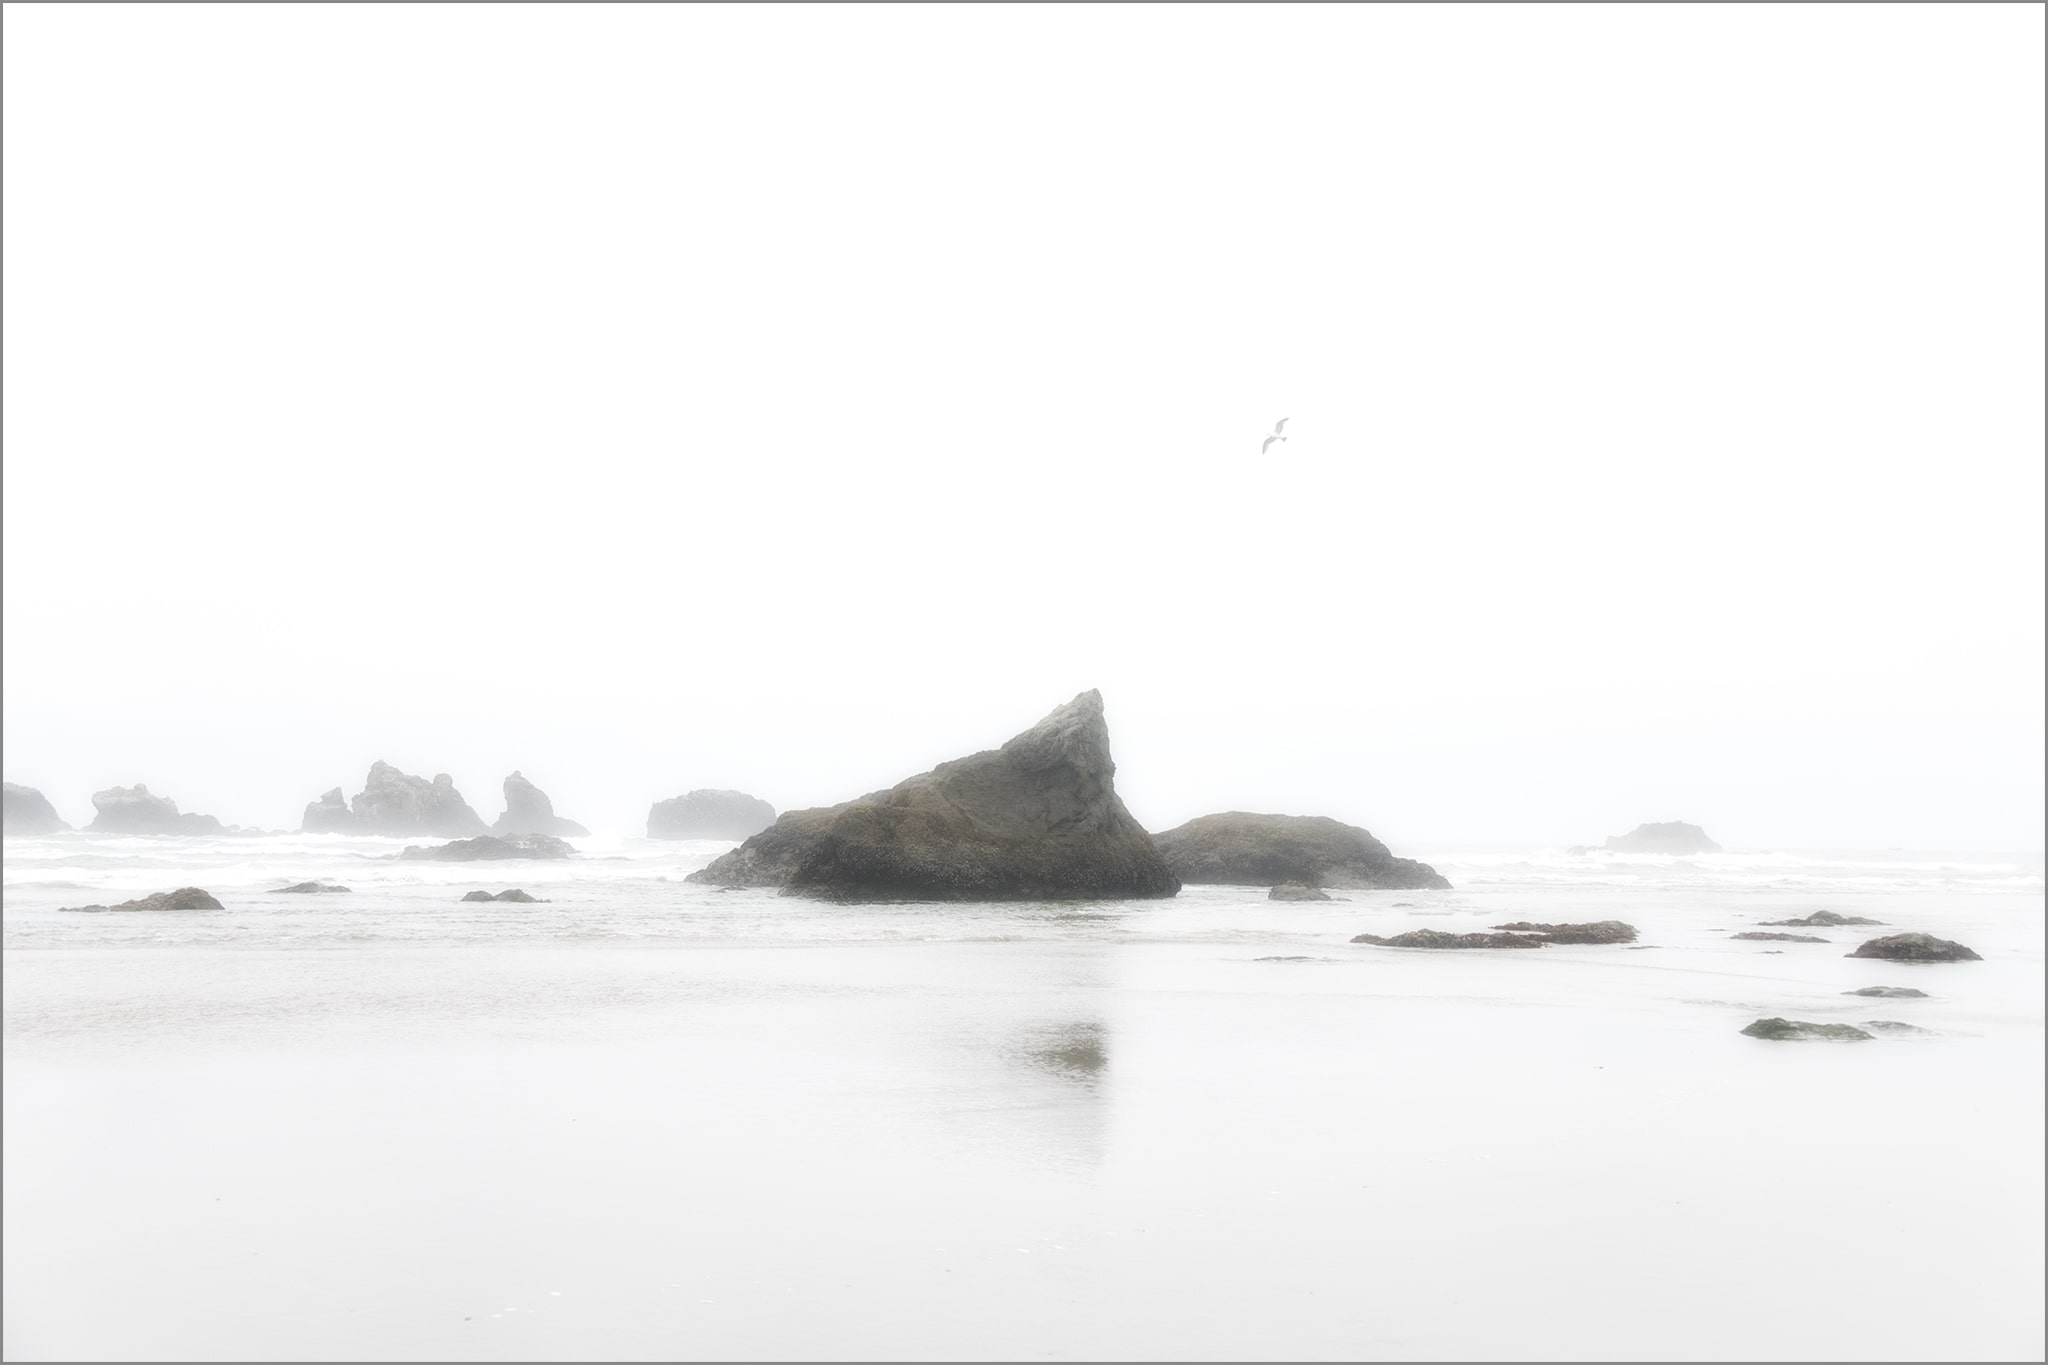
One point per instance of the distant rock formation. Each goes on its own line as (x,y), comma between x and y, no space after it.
(707,814)
(1890,992)
(1297,891)
(1238,848)
(1757,936)
(27,811)
(393,802)
(491,846)
(1437,938)
(1672,837)
(528,811)
(515,894)
(1799,1031)
(184,898)
(309,889)
(132,810)
(1038,818)
(329,815)
(1915,948)
(1598,931)
(1819,919)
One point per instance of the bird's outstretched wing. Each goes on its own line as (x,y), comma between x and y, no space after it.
(1268,442)
(1281,425)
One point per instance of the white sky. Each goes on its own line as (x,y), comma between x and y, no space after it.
(785,397)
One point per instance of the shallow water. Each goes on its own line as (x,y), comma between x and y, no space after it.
(655,1120)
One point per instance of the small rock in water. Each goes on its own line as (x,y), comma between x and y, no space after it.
(1890,992)
(184,898)
(515,894)
(1437,938)
(308,889)
(491,846)
(1756,937)
(1915,948)
(1821,919)
(1893,1026)
(1286,959)
(1297,891)
(1799,1031)
(1599,931)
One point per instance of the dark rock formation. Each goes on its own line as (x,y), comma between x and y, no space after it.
(184,898)
(1897,1029)
(309,889)
(132,810)
(1673,837)
(1296,891)
(1798,1031)
(1915,948)
(528,811)
(329,815)
(491,846)
(1890,992)
(1436,938)
(1820,919)
(1599,931)
(1036,819)
(707,814)
(1238,848)
(24,810)
(1757,937)
(393,802)
(515,894)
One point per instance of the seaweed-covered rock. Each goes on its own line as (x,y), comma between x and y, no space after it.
(1038,818)
(1297,891)
(1889,992)
(515,894)
(393,802)
(1798,1031)
(24,810)
(709,814)
(1820,919)
(1437,938)
(1673,836)
(529,811)
(1757,937)
(309,889)
(184,898)
(1598,931)
(329,815)
(490,846)
(132,810)
(1915,948)
(1242,848)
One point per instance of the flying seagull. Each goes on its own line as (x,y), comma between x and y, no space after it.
(1278,427)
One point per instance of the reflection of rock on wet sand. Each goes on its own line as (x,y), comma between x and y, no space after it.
(1078,1051)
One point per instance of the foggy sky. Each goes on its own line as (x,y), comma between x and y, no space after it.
(786,398)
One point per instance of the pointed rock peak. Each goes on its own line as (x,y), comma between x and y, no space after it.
(1074,733)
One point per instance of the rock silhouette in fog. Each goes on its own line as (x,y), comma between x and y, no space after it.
(528,811)
(329,815)
(27,811)
(1239,848)
(488,846)
(708,814)
(1674,836)
(132,810)
(1038,818)
(394,802)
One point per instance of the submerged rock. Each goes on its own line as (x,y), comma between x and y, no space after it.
(132,810)
(1890,992)
(1798,1031)
(1038,818)
(1437,938)
(1821,919)
(1674,836)
(308,889)
(709,814)
(515,894)
(1757,937)
(1898,1029)
(24,810)
(491,846)
(184,898)
(329,815)
(1598,931)
(528,811)
(1297,891)
(393,802)
(1915,948)
(1241,848)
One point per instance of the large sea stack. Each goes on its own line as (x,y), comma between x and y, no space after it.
(132,810)
(1673,836)
(392,802)
(1038,819)
(27,811)
(707,814)
(1238,848)
(528,811)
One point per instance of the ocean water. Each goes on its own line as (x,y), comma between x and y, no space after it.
(655,1120)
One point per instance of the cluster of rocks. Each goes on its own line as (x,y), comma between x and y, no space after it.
(132,810)
(515,894)
(1909,947)
(1520,934)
